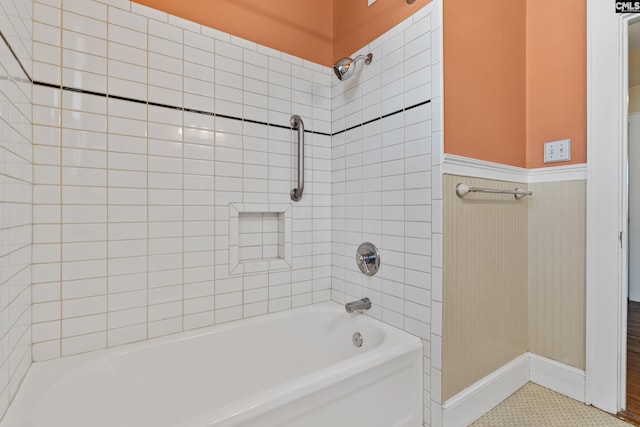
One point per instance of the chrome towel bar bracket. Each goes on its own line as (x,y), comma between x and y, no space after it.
(462,190)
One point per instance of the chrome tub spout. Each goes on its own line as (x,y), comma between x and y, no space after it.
(361,304)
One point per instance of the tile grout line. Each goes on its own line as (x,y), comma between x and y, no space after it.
(147,183)
(183,190)
(106,279)
(60,184)
(33,185)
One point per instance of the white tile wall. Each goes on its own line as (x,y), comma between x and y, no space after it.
(385,183)
(127,226)
(260,236)
(17,29)
(131,202)
(16,179)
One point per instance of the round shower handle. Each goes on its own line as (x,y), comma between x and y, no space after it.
(368,258)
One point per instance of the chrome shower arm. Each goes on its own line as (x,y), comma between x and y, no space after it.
(367,58)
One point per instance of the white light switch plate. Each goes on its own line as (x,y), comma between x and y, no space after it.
(557,151)
(371,2)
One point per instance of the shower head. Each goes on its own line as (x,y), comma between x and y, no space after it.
(345,67)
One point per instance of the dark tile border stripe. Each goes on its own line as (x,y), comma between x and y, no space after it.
(52,86)
(172,107)
(419,104)
(119,98)
(24,70)
(189,110)
(375,119)
(211,113)
(206,113)
(88,92)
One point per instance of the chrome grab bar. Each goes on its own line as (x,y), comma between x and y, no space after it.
(296,193)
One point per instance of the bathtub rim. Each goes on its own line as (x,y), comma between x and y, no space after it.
(149,343)
(396,343)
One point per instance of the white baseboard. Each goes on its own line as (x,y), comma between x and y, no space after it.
(558,377)
(478,399)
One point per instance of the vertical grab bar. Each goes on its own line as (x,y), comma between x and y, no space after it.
(296,193)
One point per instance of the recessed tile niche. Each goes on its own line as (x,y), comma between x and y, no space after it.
(259,237)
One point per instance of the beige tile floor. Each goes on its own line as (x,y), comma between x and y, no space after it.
(536,406)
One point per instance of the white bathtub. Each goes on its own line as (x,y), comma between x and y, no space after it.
(294,368)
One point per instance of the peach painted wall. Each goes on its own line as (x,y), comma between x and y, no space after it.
(528,86)
(484,80)
(355,24)
(556,77)
(514,71)
(300,28)
(320,31)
